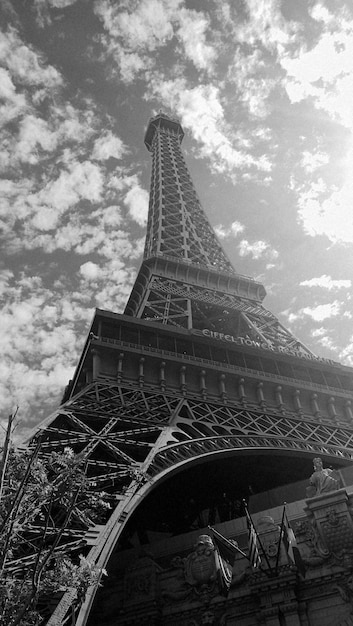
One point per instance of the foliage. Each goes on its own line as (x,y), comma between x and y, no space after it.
(46,505)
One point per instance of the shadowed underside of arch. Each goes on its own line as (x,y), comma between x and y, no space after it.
(135,439)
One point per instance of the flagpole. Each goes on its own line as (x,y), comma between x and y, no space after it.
(296,557)
(257,536)
(231,545)
(280,539)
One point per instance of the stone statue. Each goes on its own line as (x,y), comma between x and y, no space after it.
(322,480)
(200,566)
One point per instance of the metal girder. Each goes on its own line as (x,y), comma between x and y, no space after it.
(184,452)
(177,225)
(322,441)
(132,438)
(256,422)
(272,331)
(170,302)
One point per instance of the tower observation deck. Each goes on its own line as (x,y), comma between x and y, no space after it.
(195,393)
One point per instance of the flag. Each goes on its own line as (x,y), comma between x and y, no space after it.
(224,574)
(290,544)
(227,548)
(254,556)
(225,553)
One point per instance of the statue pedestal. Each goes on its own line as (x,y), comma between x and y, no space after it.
(330,514)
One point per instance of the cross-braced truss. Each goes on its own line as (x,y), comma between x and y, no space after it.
(116,429)
(113,428)
(131,436)
(188,306)
(177,226)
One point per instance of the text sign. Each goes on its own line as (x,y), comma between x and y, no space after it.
(263,345)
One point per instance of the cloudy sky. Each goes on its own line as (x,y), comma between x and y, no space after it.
(264,91)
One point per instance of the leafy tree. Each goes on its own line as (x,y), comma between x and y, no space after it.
(46,506)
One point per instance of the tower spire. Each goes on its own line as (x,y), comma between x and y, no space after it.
(186,279)
(177,225)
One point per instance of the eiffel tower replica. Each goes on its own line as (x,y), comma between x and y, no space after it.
(196,387)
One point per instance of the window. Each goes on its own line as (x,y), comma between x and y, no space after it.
(236,358)
(184,347)
(166,343)
(130,335)
(148,339)
(285,369)
(217,354)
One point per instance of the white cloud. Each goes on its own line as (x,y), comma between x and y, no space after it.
(233,230)
(312,161)
(108,145)
(246,71)
(5,277)
(43,9)
(43,329)
(56,4)
(319,332)
(346,355)
(200,110)
(83,181)
(60,4)
(90,271)
(331,216)
(326,282)
(192,33)
(131,63)
(324,73)
(27,66)
(34,328)
(136,200)
(146,27)
(323,337)
(14,103)
(266,25)
(34,133)
(257,250)
(322,311)
(134,37)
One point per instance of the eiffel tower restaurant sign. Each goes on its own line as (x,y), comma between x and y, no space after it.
(263,345)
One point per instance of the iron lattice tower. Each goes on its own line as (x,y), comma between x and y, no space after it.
(195,368)
(186,278)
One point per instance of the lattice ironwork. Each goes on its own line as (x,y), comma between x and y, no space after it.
(130,437)
(173,455)
(189,306)
(242,430)
(236,420)
(177,226)
(115,428)
(207,296)
(272,332)
(167,309)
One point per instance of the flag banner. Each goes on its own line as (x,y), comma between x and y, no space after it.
(290,544)
(280,539)
(254,556)
(225,553)
(226,547)
(224,574)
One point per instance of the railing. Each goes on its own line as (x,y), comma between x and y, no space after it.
(217,364)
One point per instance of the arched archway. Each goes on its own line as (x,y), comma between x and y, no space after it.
(188,490)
